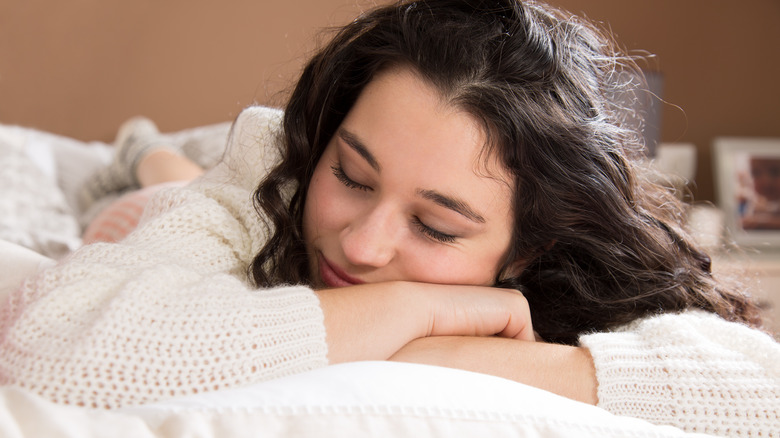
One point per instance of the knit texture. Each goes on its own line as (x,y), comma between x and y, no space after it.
(169,310)
(694,371)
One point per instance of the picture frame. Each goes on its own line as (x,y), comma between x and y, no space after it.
(747,177)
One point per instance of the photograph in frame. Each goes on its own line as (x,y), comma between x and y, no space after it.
(747,173)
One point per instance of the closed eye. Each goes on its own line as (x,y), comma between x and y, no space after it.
(424,229)
(433,233)
(338,172)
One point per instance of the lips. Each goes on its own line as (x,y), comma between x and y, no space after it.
(333,276)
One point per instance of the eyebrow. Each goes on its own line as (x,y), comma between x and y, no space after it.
(357,145)
(453,204)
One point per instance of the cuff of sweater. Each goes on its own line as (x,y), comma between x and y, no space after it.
(692,370)
(631,379)
(299,344)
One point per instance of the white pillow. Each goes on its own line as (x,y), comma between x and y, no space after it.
(388,399)
(376,399)
(35,212)
(66,161)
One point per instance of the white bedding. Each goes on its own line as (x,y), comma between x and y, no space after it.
(358,399)
(378,399)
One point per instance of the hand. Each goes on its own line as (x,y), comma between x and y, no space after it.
(561,369)
(477,311)
(373,321)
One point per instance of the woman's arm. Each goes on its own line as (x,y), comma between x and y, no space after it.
(694,370)
(374,321)
(561,369)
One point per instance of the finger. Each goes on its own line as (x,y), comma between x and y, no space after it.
(526,331)
(519,325)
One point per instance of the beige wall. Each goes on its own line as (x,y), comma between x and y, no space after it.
(80,67)
(720,61)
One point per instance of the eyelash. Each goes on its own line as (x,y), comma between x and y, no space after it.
(433,233)
(427,231)
(338,172)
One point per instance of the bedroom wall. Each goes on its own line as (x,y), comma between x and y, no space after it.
(80,68)
(720,64)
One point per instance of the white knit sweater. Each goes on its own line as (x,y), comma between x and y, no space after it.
(694,371)
(169,311)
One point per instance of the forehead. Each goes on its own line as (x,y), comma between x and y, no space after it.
(422,142)
(406,112)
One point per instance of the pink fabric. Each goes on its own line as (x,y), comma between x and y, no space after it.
(121,217)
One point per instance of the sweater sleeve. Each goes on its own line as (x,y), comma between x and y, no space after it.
(169,310)
(692,370)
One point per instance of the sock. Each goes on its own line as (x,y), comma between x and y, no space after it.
(136,138)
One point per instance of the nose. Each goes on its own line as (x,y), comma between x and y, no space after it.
(370,239)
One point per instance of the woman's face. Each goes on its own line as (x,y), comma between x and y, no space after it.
(403,192)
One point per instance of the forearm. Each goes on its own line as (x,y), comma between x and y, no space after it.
(374,321)
(561,369)
(367,322)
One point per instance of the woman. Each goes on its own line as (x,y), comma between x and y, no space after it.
(434,159)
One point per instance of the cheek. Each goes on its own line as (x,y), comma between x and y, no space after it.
(472,266)
(475,263)
(324,210)
(486,258)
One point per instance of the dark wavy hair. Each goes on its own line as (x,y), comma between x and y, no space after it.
(602,245)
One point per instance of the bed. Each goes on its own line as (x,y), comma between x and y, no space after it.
(42,222)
